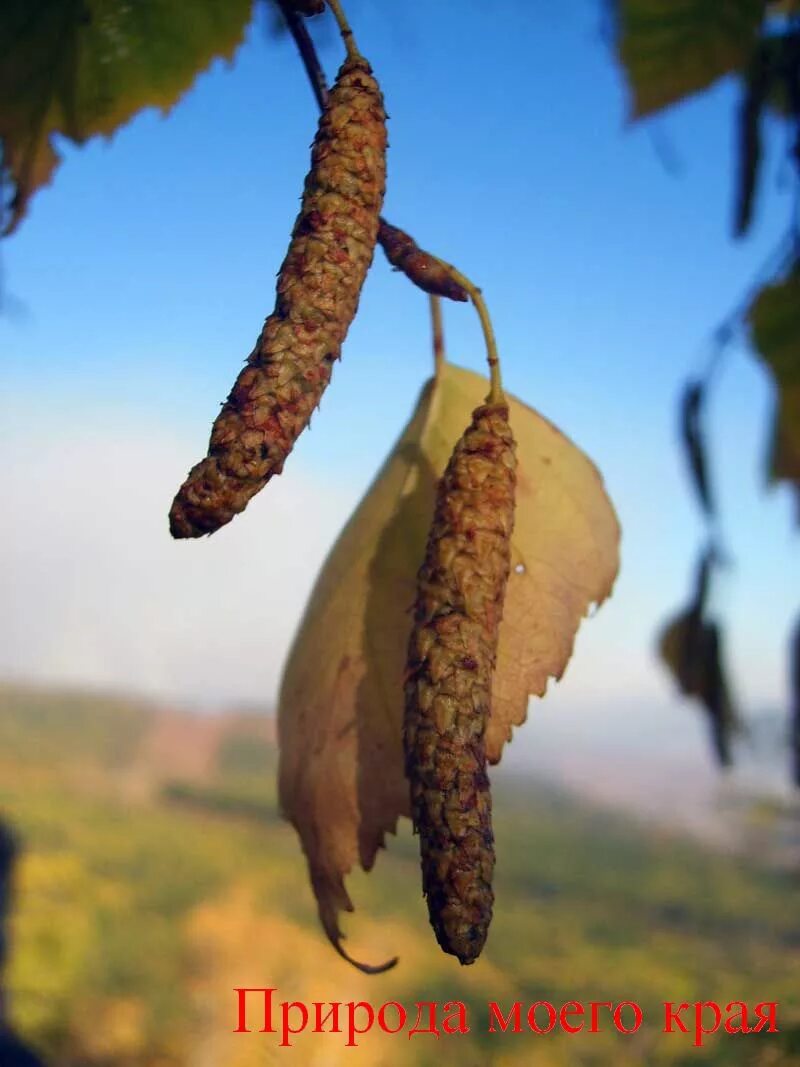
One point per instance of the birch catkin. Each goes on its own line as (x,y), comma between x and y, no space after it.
(319,284)
(419,266)
(451,658)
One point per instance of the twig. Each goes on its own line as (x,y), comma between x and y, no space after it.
(296,25)
(344,29)
(496,394)
(437,332)
(725,331)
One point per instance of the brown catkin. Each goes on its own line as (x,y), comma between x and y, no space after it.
(451,657)
(423,269)
(319,284)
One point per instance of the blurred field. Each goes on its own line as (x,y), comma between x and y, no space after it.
(156,875)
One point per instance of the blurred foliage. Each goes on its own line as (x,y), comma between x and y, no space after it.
(245,754)
(691,647)
(693,435)
(57,929)
(137,916)
(84,67)
(775,322)
(250,799)
(673,48)
(38,726)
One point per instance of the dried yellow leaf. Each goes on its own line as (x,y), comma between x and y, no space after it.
(340,721)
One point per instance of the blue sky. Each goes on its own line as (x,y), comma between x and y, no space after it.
(143,274)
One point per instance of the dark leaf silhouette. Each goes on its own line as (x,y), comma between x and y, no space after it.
(13,1053)
(693,437)
(751,111)
(775,321)
(308,7)
(691,647)
(782,53)
(716,694)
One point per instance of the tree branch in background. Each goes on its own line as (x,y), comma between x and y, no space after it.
(308,53)
(437,331)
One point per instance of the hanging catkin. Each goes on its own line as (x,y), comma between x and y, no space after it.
(460,591)
(419,266)
(319,284)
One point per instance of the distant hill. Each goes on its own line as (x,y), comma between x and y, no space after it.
(55,727)
(156,875)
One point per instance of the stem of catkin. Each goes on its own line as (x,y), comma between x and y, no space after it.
(438,334)
(496,394)
(344,29)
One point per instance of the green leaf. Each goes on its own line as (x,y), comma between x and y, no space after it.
(775,321)
(673,48)
(84,67)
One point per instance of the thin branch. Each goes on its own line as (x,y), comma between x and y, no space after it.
(438,333)
(496,394)
(726,330)
(344,29)
(296,25)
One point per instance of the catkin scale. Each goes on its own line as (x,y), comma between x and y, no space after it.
(451,658)
(319,284)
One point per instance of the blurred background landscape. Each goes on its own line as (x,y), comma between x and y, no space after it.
(152,872)
(156,876)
